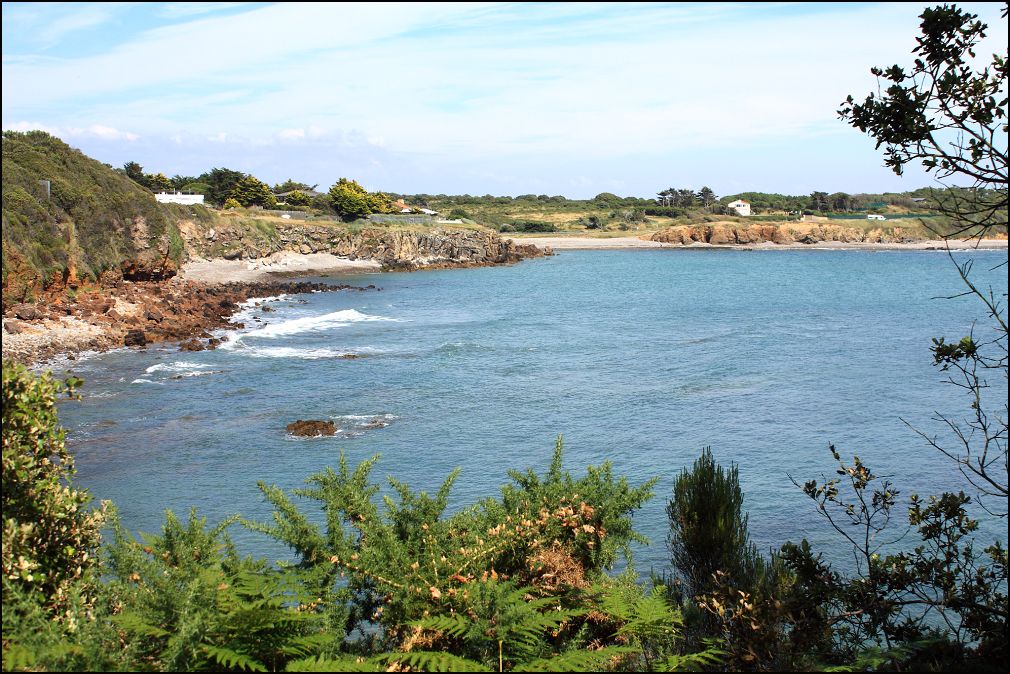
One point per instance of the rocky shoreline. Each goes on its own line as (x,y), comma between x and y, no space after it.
(135,314)
(153,302)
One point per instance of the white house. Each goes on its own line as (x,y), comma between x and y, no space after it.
(740,206)
(178,198)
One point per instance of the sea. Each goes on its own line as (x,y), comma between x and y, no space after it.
(639,358)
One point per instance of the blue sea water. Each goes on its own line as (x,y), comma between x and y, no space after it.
(638,357)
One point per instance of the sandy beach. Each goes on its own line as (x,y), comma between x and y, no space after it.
(587,243)
(284,262)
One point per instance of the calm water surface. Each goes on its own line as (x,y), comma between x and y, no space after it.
(639,357)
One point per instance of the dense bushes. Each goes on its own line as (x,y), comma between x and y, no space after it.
(50,537)
(518,582)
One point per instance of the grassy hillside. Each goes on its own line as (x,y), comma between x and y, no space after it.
(94,220)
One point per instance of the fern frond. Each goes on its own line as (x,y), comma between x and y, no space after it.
(131,622)
(345,664)
(454,625)
(433,661)
(575,661)
(304,645)
(693,662)
(230,659)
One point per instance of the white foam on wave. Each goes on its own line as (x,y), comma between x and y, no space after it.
(196,373)
(177,366)
(296,326)
(366,417)
(147,381)
(291,352)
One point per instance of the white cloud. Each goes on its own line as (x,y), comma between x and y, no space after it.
(29,126)
(528,83)
(179,10)
(100,131)
(109,133)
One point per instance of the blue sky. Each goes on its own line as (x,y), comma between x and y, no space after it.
(499,98)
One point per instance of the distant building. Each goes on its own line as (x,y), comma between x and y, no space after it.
(401,206)
(178,198)
(740,206)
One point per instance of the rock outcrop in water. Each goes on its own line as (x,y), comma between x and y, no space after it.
(312,428)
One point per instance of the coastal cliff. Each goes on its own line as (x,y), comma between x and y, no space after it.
(407,249)
(728,234)
(71,222)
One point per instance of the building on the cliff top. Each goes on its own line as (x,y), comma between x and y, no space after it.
(401,207)
(178,198)
(740,206)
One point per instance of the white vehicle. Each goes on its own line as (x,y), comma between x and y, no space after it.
(873,216)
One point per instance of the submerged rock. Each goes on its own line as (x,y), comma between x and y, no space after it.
(312,428)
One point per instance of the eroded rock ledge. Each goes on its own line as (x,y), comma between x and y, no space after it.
(730,234)
(393,249)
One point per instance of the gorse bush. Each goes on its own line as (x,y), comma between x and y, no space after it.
(551,534)
(50,536)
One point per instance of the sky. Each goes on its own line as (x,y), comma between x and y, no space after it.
(478,98)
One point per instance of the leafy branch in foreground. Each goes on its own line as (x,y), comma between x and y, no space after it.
(946,114)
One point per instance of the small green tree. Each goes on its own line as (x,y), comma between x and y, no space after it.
(707,196)
(299,198)
(135,172)
(819,201)
(708,529)
(350,200)
(158,182)
(250,191)
(220,182)
(290,185)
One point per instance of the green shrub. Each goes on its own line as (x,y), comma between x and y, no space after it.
(51,537)
(708,529)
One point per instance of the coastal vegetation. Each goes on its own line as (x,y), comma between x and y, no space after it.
(68,217)
(522,581)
